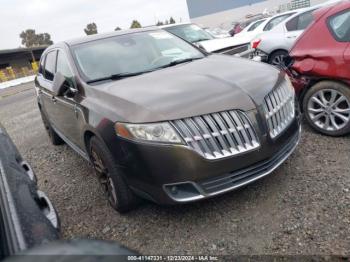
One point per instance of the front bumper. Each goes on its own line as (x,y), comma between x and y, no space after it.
(236,179)
(170,174)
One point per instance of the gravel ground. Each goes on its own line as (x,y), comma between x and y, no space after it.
(302,208)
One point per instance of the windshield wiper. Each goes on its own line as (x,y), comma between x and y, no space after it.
(114,77)
(179,61)
(125,75)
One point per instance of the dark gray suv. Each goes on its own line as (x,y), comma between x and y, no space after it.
(161,119)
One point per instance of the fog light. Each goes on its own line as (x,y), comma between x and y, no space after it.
(183,192)
(173,190)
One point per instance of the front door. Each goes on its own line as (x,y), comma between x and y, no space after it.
(66,108)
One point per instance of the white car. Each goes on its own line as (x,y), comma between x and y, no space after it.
(274,45)
(196,35)
(248,34)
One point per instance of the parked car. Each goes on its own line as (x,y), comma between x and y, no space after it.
(161,119)
(239,27)
(27,217)
(194,34)
(247,34)
(273,46)
(320,70)
(218,32)
(250,33)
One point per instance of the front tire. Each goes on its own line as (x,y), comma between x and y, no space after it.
(119,195)
(327,108)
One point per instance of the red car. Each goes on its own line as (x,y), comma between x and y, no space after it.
(319,67)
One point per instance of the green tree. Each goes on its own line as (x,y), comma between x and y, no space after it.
(30,38)
(172,20)
(117,28)
(159,23)
(91,29)
(135,24)
(44,39)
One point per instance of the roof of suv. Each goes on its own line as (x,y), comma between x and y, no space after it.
(172,25)
(85,39)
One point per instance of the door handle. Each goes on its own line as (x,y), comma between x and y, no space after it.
(53,99)
(292,36)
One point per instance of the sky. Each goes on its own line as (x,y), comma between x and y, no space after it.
(65,19)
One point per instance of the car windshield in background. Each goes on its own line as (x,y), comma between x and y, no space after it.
(132,54)
(191,33)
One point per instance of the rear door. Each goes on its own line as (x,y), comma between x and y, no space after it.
(66,107)
(45,80)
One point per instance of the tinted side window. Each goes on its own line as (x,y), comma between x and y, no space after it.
(305,20)
(300,22)
(339,25)
(63,66)
(275,21)
(292,25)
(50,65)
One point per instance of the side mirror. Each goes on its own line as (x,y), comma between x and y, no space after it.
(63,86)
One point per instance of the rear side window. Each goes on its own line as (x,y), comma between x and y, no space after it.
(340,26)
(276,21)
(50,65)
(300,22)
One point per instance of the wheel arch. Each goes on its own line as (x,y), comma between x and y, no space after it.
(313,82)
(88,133)
(275,51)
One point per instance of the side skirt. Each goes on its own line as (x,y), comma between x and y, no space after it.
(72,145)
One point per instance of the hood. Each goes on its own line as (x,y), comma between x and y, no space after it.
(222,43)
(213,84)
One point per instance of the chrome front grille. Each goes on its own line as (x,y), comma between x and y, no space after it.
(279,108)
(218,135)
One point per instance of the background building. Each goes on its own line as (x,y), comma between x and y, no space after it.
(221,13)
(19,62)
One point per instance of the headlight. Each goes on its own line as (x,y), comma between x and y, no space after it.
(157,132)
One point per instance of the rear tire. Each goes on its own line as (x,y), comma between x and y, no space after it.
(54,138)
(277,58)
(327,108)
(119,195)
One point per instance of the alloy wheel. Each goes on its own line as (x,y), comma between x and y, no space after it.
(278,60)
(104,177)
(329,110)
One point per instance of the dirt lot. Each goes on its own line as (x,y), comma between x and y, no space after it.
(303,208)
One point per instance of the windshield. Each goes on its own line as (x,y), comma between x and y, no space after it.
(191,33)
(131,54)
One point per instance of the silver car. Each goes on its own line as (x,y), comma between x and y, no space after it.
(274,45)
